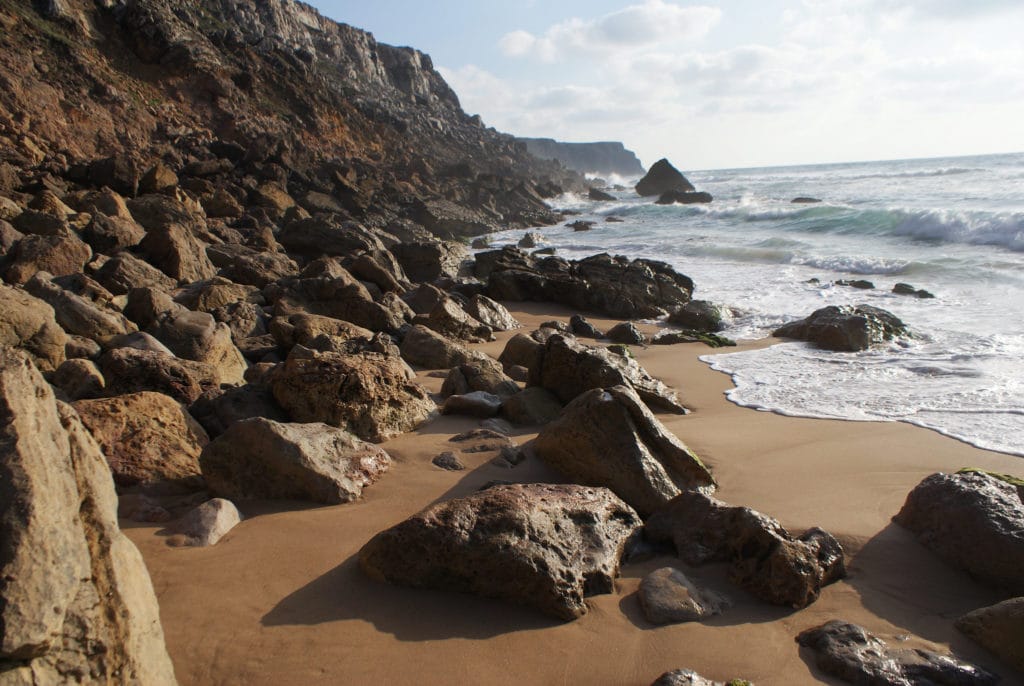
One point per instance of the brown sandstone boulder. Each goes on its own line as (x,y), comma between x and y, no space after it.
(130,370)
(541,545)
(491,313)
(766,560)
(974,521)
(205,524)
(667,596)
(449,319)
(149,440)
(77,315)
(426,348)
(58,255)
(484,374)
(999,628)
(568,368)
(199,337)
(249,266)
(78,379)
(373,395)
(430,261)
(263,459)
(28,323)
(76,597)
(335,293)
(608,437)
(178,253)
(124,272)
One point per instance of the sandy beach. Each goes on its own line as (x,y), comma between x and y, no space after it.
(281,599)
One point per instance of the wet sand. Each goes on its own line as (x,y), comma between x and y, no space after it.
(281,601)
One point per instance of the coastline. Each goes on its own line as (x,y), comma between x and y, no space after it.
(281,599)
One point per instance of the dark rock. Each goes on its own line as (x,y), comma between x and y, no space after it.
(850,653)
(569,368)
(531,407)
(484,374)
(861,284)
(541,545)
(803,200)
(235,405)
(530,240)
(128,370)
(667,596)
(426,348)
(690,336)
(581,225)
(579,326)
(431,261)
(662,177)
(907,289)
(336,294)
(973,520)
(845,328)
(177,253)
(765,559)
(160,178)
(246,265)
(684,198)
(78,379)
(259,459)
(599,195)
(110,235)
(474,404)
(607,437)
(999,628)
(58,255)
(521,350)
(448,461)
(28,323)
(491,313)
(700,315)
(449,319)
(627,333)
(124,272)
(319,236)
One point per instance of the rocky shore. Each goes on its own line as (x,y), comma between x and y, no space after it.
(240,332)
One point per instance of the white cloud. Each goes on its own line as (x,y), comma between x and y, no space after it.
(634,27)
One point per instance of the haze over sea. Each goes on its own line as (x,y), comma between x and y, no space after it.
(951,226)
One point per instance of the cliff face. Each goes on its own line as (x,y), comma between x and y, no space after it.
(342,113)
(587,158)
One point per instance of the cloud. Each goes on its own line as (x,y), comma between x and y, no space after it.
(631,28)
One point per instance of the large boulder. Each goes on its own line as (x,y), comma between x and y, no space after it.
(427,348)
(199,337)
(216,414)
(335,293)
(700,315)
(303,329)
(765,559)
(608,437)
(77,315)
(373,395)
(547,546)
(491,313)
(124,272)
(973,520)
(76,601)
(845,328)
(667,596)
(568,368)
(58,255)
(150,440)
(130,370)
(110,235)
(449,319)
(28,323)
(662,177)
(851,653)
(320,236)
(262,459)
(484,374)
(246,265)
(615,286)
(178,253)
(531,406)
(999,628)
(430,261)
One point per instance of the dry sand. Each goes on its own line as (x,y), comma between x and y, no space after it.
(281,600)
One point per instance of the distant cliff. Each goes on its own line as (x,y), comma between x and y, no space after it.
(587,158)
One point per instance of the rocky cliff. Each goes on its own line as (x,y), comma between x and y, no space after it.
(373,125)
(587,158)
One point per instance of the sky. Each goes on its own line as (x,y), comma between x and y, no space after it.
(728,83)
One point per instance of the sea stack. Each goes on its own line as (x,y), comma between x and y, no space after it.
(662,178)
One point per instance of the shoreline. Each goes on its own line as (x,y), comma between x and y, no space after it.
(281,599)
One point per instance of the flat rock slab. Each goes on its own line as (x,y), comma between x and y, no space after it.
(668,596)
(547,546)
(766,559)
(849,652)
(973,520)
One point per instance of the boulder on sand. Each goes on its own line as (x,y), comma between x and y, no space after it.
(259,459)
(766,560)
(999,628)
(547,546)
(662,177)
(973,520)
(206,524)
(77,602)
(608,437)
(667,596)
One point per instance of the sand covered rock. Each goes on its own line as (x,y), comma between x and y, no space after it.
(373,395)
(668,596)
(76,597)
(662,177)
(845,328)
(568,368)
(999,628)
(206,524)
(974,521)
(765,559)
(607,437)
(263,459)
(28,323)
(851,653)
(149,440)
(547,546)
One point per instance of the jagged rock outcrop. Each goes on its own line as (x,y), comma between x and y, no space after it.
(615,286)
(851,653)
(76,601)
(603,158)
(765,559)
(974,521)
(260,458)
(568,368)
(845,328)
(547,546)
(607,437)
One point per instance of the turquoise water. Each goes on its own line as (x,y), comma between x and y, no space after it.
(953,226)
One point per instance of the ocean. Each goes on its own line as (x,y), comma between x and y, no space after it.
(951,226)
